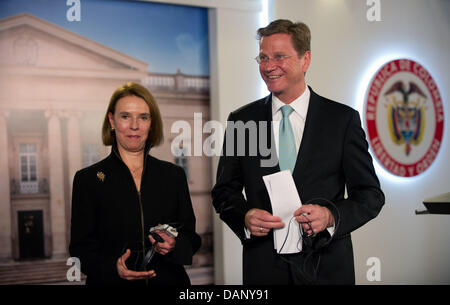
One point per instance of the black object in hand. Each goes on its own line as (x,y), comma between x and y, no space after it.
(156,237)
(148,257)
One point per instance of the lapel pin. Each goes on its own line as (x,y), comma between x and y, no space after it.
(101,176)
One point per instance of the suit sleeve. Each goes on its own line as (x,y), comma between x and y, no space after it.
(84,241)
(187,241)
(228,200)
(365,198)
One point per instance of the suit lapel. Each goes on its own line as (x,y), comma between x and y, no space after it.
(266,116)
(307,145)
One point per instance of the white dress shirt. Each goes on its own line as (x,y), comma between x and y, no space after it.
(297,117)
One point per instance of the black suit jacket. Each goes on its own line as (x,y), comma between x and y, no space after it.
(109,216)
(333,155)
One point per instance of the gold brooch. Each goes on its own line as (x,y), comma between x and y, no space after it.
(101,176)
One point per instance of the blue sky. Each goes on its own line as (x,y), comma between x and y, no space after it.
(167,37)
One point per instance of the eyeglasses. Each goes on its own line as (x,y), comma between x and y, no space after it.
(278,59)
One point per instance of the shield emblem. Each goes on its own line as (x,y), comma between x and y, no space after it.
(406,119)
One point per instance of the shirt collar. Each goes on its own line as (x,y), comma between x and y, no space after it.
(300,104)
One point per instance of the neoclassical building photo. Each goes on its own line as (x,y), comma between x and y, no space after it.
(55,86)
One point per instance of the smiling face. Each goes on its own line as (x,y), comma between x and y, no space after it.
(131,121)
(286,78)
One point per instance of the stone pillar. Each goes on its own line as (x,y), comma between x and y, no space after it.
(74,152)
(57,205)
(74,145)
(5,198)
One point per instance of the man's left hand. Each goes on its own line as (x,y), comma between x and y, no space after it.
(314,218)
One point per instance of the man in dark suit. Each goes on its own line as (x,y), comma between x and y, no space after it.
(322,143)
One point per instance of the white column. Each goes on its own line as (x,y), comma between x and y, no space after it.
(74,157)
(231,25)
(74,144)
(5,199)
(57,205)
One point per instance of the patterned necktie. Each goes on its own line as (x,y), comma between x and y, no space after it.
(287,152)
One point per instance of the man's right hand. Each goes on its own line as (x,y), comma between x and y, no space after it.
(260,222)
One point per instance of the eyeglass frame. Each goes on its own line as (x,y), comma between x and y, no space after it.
(279,58)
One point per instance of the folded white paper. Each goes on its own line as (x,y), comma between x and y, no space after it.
(285,200)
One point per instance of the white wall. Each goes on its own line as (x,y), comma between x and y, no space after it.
(413,249)
(234,82)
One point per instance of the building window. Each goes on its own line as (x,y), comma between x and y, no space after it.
(182,160)
(90,154)
(28,168)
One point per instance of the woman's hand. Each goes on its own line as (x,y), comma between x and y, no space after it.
(131,275)
(163,247)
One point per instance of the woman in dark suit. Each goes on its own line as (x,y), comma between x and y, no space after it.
(116,201)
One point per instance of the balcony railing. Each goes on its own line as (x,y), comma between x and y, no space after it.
(178,82)
(26,187)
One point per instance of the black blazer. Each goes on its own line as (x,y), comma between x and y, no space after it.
(106,218)
(333,155)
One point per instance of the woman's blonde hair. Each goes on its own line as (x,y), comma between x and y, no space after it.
(155,134)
